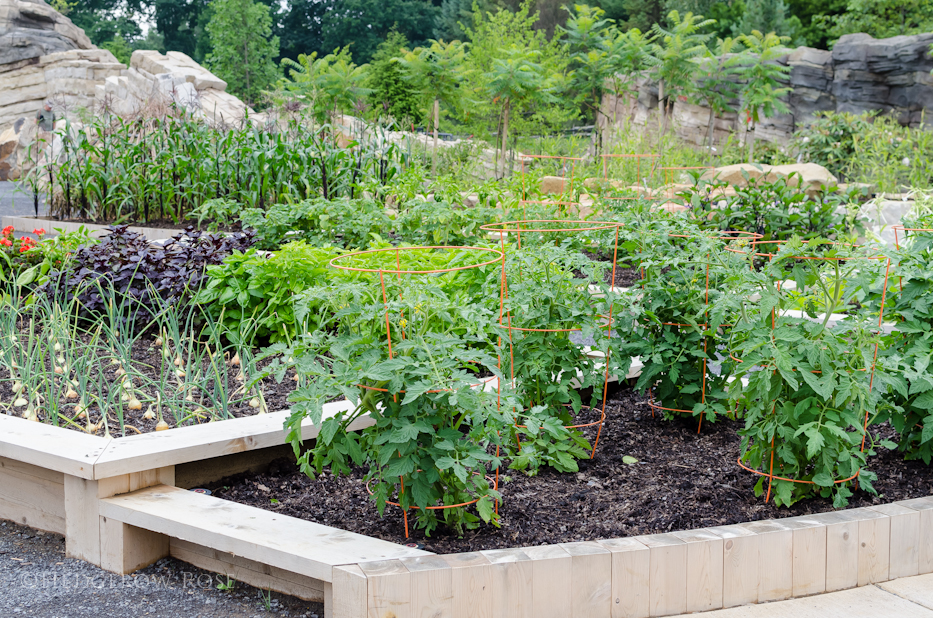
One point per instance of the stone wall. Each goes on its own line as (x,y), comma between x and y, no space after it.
(860,74)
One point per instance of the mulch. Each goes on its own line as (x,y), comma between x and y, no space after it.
(682,480)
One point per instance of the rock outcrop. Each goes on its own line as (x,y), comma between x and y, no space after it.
(860,74)
(45,57)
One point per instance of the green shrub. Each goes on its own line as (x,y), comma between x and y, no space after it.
(344,223)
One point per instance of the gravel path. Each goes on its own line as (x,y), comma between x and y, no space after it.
(38,581)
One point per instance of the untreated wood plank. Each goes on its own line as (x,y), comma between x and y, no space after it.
(471,576)
(184,444)
(809,555)
(552,569)
(740,560)
(591,579)
(841,550)
(348,594)
(704,569)
(292,544)
(124,548)
(23,468)
(47,446)
(630,572)
(667,579)
(874,541)
(254,573)
(82,522)
(775,559)
(512,579)
(389,589)
(34,501)
(905,539)
(431,586)
(925,507)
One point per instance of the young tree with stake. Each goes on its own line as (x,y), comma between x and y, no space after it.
(761,95)
(437,71)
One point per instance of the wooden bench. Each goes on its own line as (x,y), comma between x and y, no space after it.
(249,544)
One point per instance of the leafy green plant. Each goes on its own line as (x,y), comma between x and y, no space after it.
(802,385)
(906,351)
(436,427)
(776,209)
(351,224)
(441,223)
(253,294)
(549,304)
(683,271)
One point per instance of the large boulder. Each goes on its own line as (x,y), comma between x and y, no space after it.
(811,177)
(30,29)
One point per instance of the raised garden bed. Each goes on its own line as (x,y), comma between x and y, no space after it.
(681,480)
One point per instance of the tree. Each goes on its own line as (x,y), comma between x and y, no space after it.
(628,53)
(643,14)
(493,34)
(243,48)
(177,21)
(675,55)
(882,18)
(364,24)
(589,35)
(514,81)
(762,75)
(718,83)
(437,71)
(328,85)
(769,16)
(392,95)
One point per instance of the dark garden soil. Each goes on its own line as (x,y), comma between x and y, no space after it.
(681,481)
(148,362)
(626,276)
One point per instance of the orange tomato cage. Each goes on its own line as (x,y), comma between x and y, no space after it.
(766,249)
(341,262)
(553,226)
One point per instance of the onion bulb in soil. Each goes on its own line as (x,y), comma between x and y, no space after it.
(254,402)
(19,402)
(71,393)
(17,388)
(161,426)
(235,361)
(180,373)
(135,404)
(149,415)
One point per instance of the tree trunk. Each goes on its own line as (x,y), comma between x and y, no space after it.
(246,65)
(437,118)
(750,135)
(660,109)
(709,137)
(505,135)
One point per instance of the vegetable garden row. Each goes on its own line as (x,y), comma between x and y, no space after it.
(490,350)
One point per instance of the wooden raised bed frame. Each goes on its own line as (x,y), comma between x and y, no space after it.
(119,506)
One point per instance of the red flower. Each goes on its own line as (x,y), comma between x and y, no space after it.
(6,242)
(24,248)
(8,230)
(39,232)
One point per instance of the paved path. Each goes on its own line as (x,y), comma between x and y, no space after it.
(13,203)
(909,597)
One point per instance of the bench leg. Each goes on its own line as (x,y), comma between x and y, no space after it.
(83,523)
(125,548)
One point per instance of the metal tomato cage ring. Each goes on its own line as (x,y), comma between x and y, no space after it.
(553,226)
(529,158)
(339,262)
(762,248)
(728,235)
